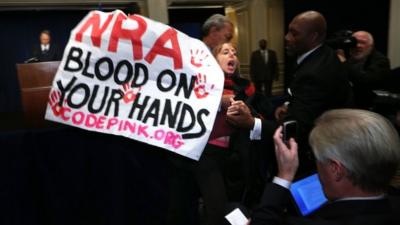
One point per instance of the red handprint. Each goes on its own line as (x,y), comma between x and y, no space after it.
(54,101)
(197,57)
(200,86)
(130,93)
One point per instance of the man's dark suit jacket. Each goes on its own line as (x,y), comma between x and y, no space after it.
(53,54)
(319,83)
(369,76)
(350,212)
(259,71)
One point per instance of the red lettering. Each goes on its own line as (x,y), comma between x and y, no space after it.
(142,130)
(134,35)
(160,49)
(77,118)
(172,139)
(90,120)
(63,113)
(111,122)
(159,134)
(100,122)
(97,31)
(177,143)
(120,125)
(169,138)
(130,126)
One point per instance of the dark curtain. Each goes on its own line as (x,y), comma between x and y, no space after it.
(19,32)
(71,176)
(190,20)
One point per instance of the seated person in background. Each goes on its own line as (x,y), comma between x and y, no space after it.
(368,69)
(357,154)
(46,51)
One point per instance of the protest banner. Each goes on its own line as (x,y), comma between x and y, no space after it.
(138,78)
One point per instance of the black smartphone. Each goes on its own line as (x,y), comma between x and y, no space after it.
(289,130)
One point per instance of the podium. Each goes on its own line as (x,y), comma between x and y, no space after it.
(35,80)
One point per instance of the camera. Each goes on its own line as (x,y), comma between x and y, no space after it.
(342,39)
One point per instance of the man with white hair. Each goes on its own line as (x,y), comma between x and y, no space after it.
(368,69)
(217,29)
(357,154)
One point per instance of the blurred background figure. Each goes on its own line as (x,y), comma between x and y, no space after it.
(45,50)
(368,69)
(263,68)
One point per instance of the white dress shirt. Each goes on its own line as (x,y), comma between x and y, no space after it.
(255,133)
(45,47)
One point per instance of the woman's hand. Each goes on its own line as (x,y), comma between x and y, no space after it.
(239,115)
(226,101)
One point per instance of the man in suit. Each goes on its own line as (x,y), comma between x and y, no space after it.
(189,178)
(263,68)
(46,51)
(368,69)
(357,155)
(217,29)
(319,83)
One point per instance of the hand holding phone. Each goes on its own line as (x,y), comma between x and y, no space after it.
(286,156)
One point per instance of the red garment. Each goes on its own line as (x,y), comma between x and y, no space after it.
(239,87)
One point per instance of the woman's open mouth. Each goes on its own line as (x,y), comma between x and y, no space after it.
(232,64)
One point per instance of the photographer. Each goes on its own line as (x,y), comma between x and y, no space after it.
(368,69)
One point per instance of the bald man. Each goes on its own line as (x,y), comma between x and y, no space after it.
(368,69)
(319,83)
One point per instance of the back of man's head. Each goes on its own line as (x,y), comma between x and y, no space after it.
(314,22)
(365,143)
(216,30)
(216,20)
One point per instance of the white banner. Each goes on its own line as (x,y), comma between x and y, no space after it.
(131,76)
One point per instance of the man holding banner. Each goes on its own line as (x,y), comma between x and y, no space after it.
(134,77)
